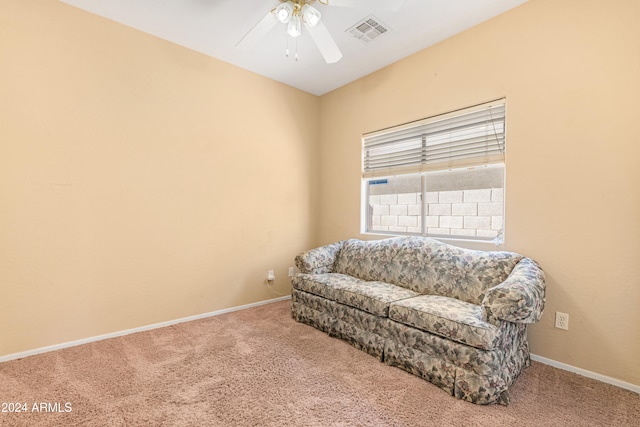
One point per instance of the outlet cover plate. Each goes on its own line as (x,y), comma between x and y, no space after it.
(562,321)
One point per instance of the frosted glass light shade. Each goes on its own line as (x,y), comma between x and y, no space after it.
(294,29)
(311,15)
(284,12)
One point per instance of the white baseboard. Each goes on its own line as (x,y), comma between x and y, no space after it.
(535,357)
(585,373)
(55,347)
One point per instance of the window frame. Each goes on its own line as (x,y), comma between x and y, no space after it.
(471,163)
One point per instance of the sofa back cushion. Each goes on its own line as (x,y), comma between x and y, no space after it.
(426,266)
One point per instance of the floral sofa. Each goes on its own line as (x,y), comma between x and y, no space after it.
(455,317)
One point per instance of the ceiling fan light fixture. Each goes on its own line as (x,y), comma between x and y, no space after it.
(284,12)
(311,15)
(294,28)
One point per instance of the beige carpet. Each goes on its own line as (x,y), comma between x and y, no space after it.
(258,367)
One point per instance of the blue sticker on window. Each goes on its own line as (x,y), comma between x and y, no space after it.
(378,181)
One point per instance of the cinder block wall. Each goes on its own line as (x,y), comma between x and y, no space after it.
(477,212)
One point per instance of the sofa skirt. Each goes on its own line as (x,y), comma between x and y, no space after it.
(468,373)
(354,326)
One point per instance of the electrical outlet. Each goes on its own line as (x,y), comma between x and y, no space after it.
(270,276)
(562,321)
(291,272)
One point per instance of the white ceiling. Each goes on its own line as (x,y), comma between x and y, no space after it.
(214,27)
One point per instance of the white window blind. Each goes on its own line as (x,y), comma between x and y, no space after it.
(470,137)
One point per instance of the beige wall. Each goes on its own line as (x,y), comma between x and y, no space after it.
(140,181)
(570,72)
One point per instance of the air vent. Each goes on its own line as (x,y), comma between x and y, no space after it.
(369,29)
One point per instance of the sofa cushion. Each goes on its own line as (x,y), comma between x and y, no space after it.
(368,260)
(372,297)
(426,266)
(447,317)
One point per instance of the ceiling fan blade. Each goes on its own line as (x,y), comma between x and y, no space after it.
(391,5)
(325,42)
(251,39)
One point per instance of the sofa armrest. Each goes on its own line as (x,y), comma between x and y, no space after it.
(520,298)
(319,260)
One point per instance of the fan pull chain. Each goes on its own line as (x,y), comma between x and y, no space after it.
(286,52)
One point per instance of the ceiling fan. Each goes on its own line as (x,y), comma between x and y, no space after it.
(298,13)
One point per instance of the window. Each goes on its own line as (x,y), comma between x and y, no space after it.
(439,177)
